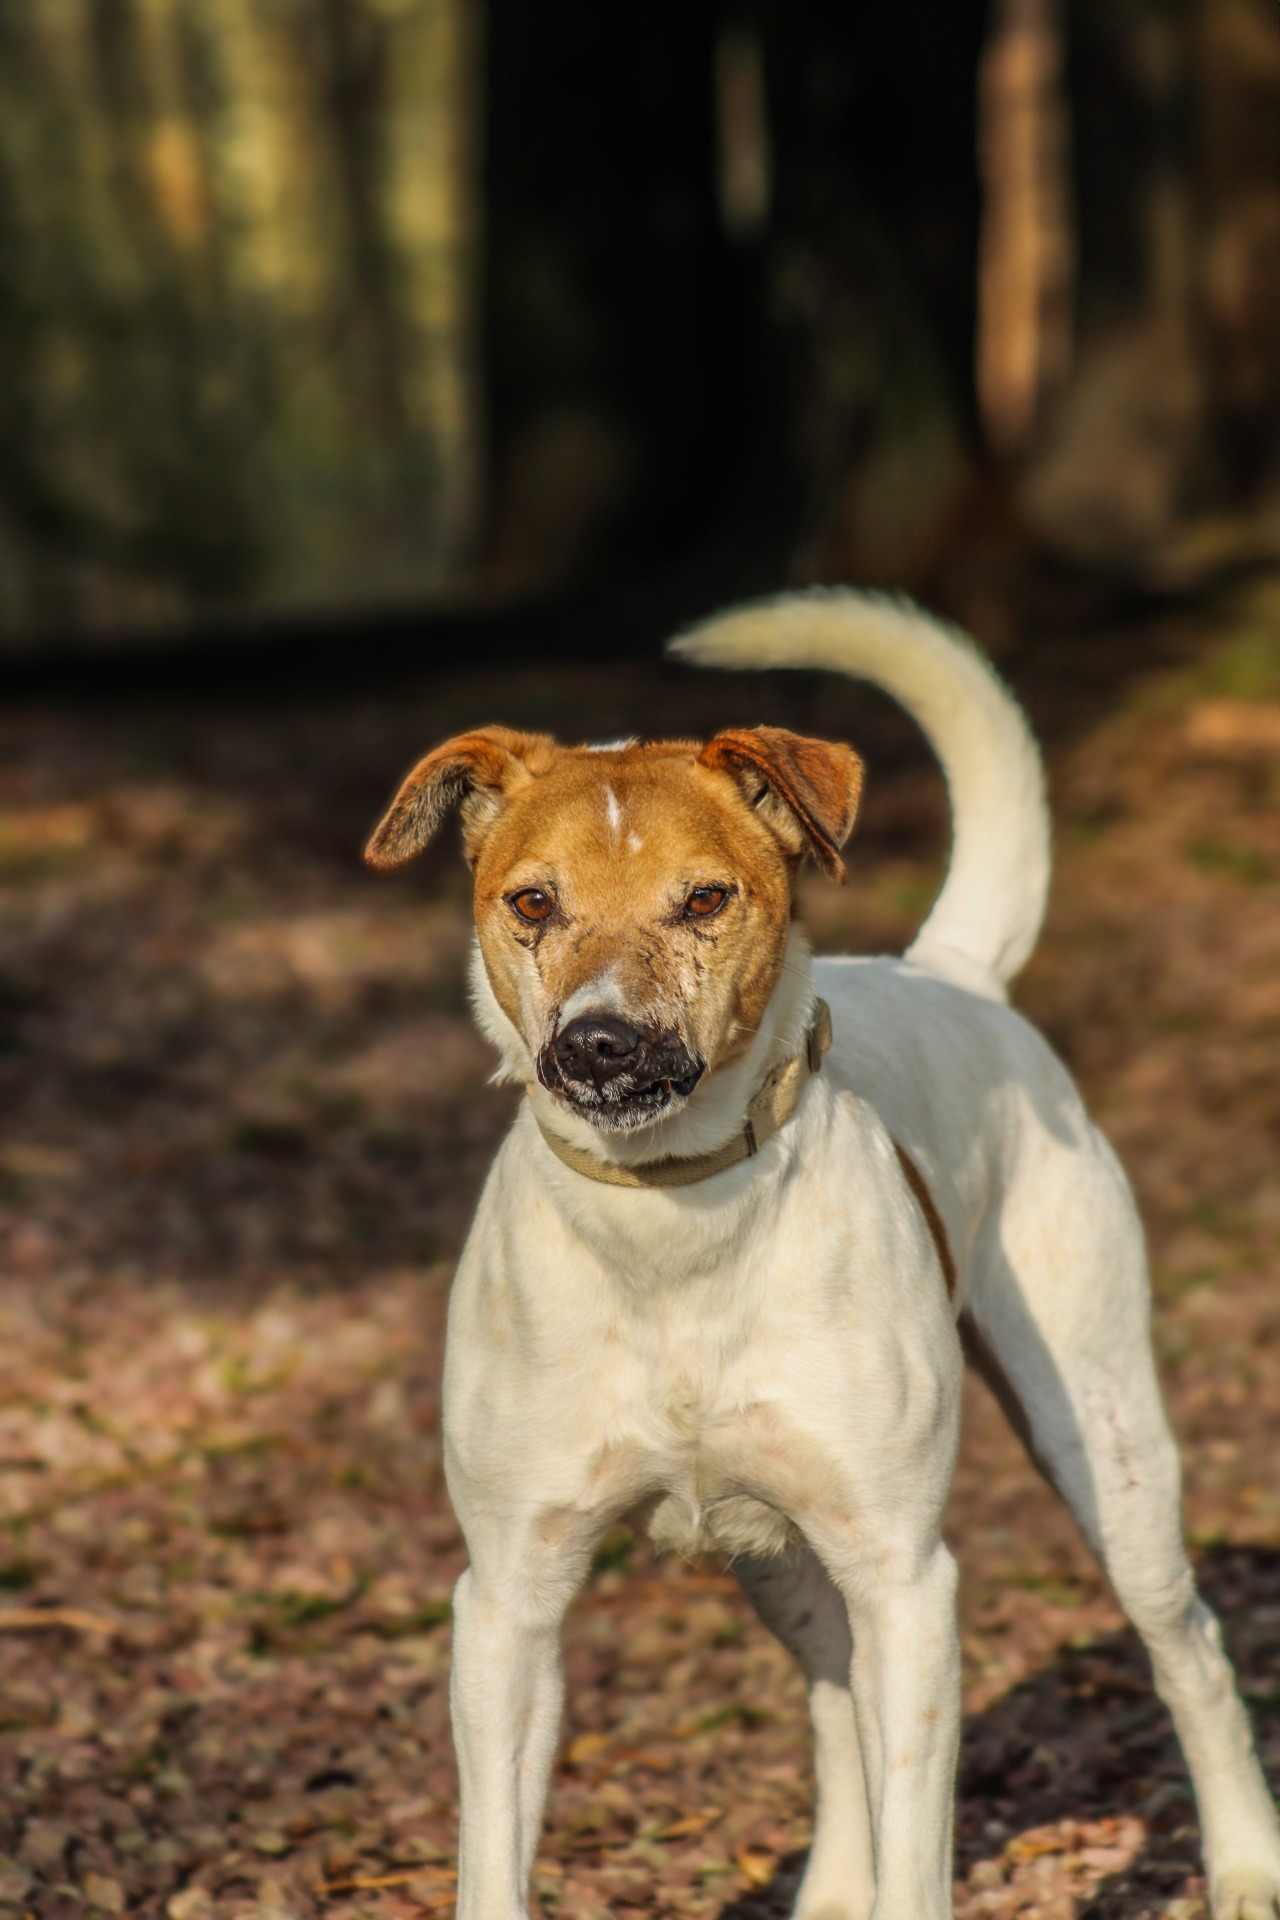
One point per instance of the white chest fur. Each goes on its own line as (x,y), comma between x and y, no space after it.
(722,1361)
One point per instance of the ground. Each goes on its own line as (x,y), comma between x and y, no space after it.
(244,1117)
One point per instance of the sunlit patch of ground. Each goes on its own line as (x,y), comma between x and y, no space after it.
(243,1118)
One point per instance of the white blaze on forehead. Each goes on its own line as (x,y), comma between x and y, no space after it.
(634,842)
(601,995)
(614,811)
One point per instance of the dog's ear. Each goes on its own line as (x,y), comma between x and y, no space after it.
(806,790)
(476,772)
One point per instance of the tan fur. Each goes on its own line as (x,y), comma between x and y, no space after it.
(817,783)
(621,837)
(477,769)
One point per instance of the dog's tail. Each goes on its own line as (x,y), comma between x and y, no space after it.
(986,919)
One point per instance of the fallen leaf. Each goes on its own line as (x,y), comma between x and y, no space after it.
(105,1894)
(34,1619)
(690,1824)
(193,1903)
(758,1867)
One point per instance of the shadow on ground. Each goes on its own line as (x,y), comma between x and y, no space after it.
(1080,1763)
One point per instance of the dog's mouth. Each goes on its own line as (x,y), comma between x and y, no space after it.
(615,1109)
(624,1100)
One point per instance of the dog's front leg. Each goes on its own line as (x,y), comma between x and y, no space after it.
(906,1682)
(506,1697)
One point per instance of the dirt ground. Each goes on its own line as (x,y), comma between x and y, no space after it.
(243,1119)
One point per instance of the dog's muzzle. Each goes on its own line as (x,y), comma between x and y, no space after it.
(617,1075)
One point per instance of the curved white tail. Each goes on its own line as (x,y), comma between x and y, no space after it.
(992,903)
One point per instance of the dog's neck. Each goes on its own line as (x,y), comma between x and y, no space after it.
(717,1108)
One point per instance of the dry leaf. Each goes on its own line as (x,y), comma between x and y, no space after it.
(758,1867)
(690,1824)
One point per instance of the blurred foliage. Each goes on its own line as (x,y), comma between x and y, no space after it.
(329,306)
(1159,448)
(232,290)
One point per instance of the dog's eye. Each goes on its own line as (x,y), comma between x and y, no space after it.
(704,901)
(532,904)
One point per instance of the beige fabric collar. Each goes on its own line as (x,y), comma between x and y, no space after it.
(768,1111)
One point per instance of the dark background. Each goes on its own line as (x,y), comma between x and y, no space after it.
(342,327)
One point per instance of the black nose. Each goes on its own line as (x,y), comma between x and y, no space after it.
(596,1047)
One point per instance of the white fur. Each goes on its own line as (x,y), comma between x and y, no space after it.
(602,993)
(768,1361)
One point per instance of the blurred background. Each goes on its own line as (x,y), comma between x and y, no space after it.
(324,310)
(370,369)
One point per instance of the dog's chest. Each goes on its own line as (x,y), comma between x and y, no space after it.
(725,1402)
(716,1456)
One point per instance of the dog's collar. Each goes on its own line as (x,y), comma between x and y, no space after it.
(769,1111)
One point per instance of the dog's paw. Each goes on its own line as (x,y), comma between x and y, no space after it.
(837,1892)
(1246,1893)
(822,1904)
(831,1910)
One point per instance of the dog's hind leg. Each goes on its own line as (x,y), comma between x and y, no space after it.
(1058,1321)
(797,1601)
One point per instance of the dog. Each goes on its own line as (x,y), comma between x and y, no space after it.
(751,1216)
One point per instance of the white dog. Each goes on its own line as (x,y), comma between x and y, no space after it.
(720,1282)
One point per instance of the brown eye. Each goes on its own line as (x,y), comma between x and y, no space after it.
(532,904)
(704,901)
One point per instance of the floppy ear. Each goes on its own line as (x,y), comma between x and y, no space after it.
(806,790)
(476,771)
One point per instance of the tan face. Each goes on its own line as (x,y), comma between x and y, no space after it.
(632,904)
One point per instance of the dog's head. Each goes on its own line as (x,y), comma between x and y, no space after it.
(632,902)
